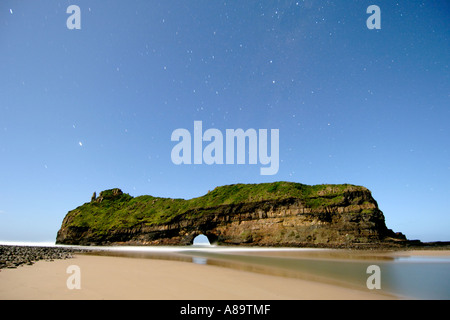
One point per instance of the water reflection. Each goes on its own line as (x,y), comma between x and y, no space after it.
(198,260)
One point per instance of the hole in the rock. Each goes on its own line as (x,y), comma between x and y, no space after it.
(201,240)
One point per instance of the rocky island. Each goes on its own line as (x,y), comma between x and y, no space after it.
(267,214)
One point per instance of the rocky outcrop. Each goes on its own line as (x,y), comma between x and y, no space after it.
(15,256)
(325,216)
(108,194)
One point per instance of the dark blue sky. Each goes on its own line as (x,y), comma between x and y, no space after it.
(92,109)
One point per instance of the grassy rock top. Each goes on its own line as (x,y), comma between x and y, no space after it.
(114,209)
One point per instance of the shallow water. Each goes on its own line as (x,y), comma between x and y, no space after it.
(418,277)
(415,277)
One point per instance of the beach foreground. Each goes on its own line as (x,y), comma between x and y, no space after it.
(107,277)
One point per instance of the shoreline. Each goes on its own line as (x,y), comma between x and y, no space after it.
(16,255)
(180,273)
(107,277)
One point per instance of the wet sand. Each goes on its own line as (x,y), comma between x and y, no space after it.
(108,277)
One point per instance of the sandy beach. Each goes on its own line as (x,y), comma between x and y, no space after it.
(106,277)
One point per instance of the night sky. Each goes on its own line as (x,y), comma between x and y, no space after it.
(84,110)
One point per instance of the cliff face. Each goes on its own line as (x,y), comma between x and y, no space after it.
(276,214)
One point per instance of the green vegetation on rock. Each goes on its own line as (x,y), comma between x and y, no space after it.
(114,210)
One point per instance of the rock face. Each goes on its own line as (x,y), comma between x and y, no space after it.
(273,214)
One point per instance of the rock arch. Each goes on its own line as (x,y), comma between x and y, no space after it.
(189,238)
